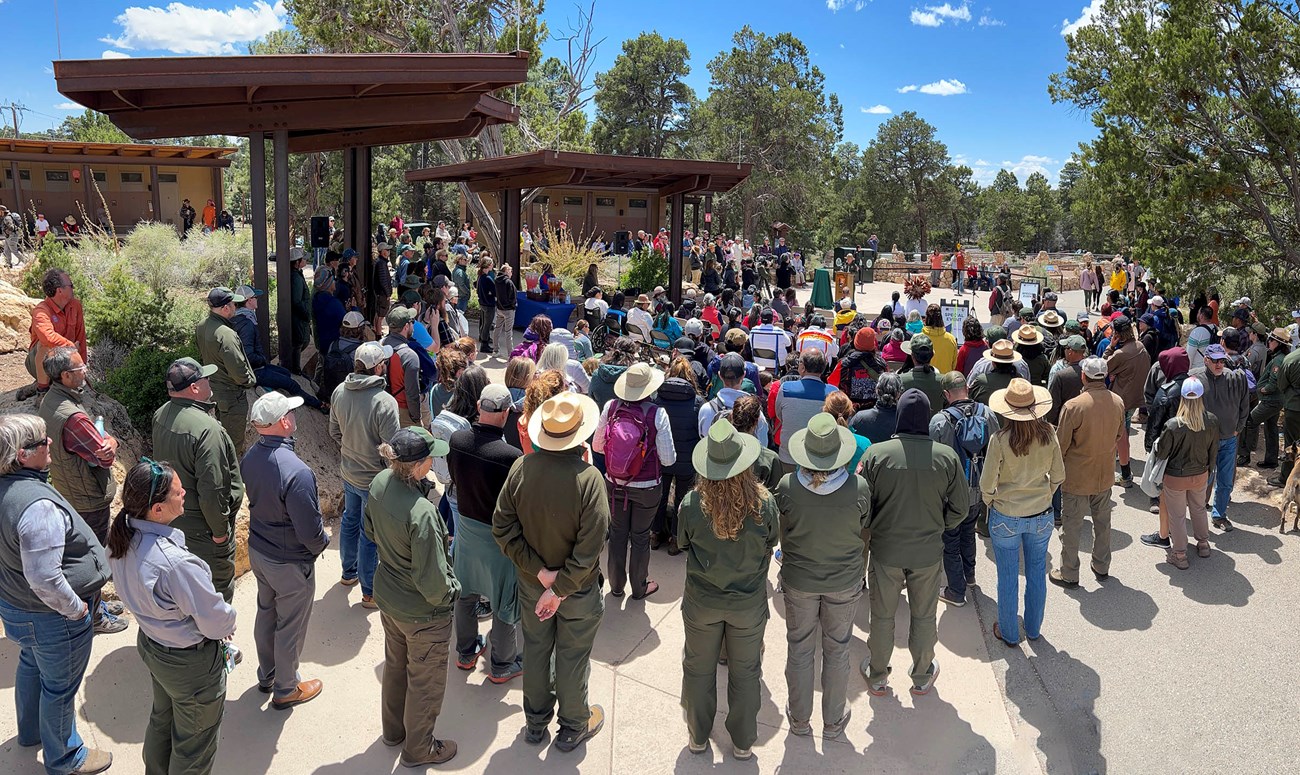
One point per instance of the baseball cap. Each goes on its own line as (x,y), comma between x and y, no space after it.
(249,292)
(1073,327)
(767,315)
(919,345)
(1156,301)
(952,380)
(736,338)
(1081,316)
(1121,323)
(371,354)
(399,316)
(1259,328)
(411,445)
(406,247)
(354,319)
(272,407)
(684,343)
(1241,313)
(1075,343)
(1050,296)
(732,366)
(1192,388)
(693,326)
(184,372)
(220,297)
(383,246)
(1093,368)
(1026,312)
(495,398)
(1215,352)
(1295,313)
(349,253)
(1244,301)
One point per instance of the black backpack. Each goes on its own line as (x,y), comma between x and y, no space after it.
(336,368)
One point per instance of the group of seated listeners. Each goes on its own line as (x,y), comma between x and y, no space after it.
(862,453)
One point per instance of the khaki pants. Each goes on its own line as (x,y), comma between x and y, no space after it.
(813,619)
(404,417)
(503,331)
(1189,496)
(1073,509)
(414,682)
(886,586)
(232,413)
(189,698)
(557,655)
(706,631)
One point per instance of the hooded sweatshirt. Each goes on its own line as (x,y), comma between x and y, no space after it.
(1174,364)
(362,416)
(601,389)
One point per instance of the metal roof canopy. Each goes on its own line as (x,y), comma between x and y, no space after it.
(672,178)
(306,103)
(324,101)
(113,153)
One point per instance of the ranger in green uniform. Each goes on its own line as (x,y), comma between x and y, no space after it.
(923,376)
(186,435)
(728,526)
(219,346)
(1288,384)
(551,520)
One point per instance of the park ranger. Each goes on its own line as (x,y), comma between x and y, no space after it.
(220,346)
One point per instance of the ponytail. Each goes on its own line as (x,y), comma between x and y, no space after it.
(148,482)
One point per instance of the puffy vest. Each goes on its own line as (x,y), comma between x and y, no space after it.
(87,487)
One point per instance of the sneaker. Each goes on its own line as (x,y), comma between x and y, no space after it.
(349,582)
(515,670)
(368,601)
(536,736)
(1154,508)
(932,676)
(109,624)
(742,754)
(673,551)
(96,761)
(1202,548)
(391,743)
(1223,524)
(113,607)
(879,687)
(1056,578)
(1276,481)
(970,580)
(469,662)
(483,610)
(946,595)
(1100,576)
(568,739)
(1122,481)
(832,731)
(443,751)
(1177,559)
(1155,539)
(1242,462)
(697,747)
(800,728)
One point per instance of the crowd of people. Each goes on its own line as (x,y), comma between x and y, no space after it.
(864,453)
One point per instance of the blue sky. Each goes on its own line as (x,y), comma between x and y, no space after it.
(977,70)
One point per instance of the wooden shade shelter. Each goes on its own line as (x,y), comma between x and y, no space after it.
(305,103)
(672,178)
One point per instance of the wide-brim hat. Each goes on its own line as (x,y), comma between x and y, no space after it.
(1002,351)
(724,452)
(824,445)
(643,300)
(1027,335)
(1051,319)
(1021,401)
(563,422)
(639,382)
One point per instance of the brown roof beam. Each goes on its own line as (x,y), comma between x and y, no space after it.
(687,185)
(388,135)
(526,180)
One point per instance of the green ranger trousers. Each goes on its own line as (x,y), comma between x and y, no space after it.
(219,557)
(1291,438)
(232,413)
(557,655)
(886,586)
(706,631)
(189,697)
(414,682)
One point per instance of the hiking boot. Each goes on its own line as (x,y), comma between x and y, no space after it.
(470,661)
(1276,481)
(483,610)
(1223,524)
(443,751)
(1177,559)
(741,754)
(946,595)
(349,582)
(113,607)
(1099,575)
(800,728)
(1155,539)
(1154,508)
(512,672)
(536,736)
(568,739)
(673,551)
(697,747)
(1242,462)
(368,602)
(109,624)
(1056,578)
(1202,548)
(832,731)
(1123,481)
(879,687)
(932,676)
(96,761)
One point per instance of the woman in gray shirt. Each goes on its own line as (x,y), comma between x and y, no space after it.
(183,621)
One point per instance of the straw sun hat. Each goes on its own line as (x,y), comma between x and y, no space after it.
(824,445)
(563,422)
(1021,401)
(639,382)
(724,452)
(1002,351)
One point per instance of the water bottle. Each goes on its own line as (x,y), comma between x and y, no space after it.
(99,425)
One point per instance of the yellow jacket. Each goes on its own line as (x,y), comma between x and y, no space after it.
(945,349)
(1118,280)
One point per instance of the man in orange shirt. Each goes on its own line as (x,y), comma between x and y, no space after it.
(58,321)
(959,271)
(210,216)
(936,267)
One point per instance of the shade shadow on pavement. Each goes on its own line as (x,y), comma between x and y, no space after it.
(1057,695)
(118,692)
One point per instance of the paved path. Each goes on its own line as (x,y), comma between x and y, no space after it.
(1154,671)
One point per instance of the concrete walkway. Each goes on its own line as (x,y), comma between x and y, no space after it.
(1153,671)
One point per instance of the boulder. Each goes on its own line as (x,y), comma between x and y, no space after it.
(15,318)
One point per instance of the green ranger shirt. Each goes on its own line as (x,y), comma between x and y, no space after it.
(414,581)
(727,574)
(821,535)
(186,435)
(219,344)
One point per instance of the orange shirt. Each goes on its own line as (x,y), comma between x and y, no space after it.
(961,261)
(54,327)
(210,216)
(936,261)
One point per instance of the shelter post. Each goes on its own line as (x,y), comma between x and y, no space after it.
(283,274)
(257,196)
(676,217)
(87,179)
(155,195)
(510,205)
(18,188)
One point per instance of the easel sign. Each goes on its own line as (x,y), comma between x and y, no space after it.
(954,317)
(1028,292)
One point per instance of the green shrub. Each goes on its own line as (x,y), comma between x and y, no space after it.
(53,255)
(130,314)
(647,270)
(139,384)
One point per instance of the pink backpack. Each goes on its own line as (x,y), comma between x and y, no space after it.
(630,452)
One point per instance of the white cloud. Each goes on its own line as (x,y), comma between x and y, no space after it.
(935,15)
(981,163)
(989,21)
(907,88)
(878,110)
(69,106)
(1086,17)
(835,6)
(1028,165)
(111,54)
(841,45)
(858,6)
(944,88)
(186,29)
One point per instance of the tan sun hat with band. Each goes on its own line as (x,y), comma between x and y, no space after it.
(563,422)
(1021,401)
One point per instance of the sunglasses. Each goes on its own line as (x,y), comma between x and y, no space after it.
(157,474)
(35,445)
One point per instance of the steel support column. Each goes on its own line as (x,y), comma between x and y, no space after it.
(677,216)
(283,273)
(155,197)
(257,201)
(510,224)
(88,180)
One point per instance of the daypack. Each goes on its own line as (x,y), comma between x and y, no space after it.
(858,380)
(971,439)
(1239,363)
(995,299)
(397,374)
(720,409)
(630,442)
(336,368)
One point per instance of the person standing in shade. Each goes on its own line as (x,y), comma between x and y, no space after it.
(486,285)
(1227,397)
(285,537)
(555,543)
(824,511)
(918,491)
(220,346)
(362,416)
(503,329)
(680,399)
(415,590)
(1088,432)
(182,619)
(1127,364)
(404,368)
(300,298)
(479,462)
(81,460)
(630,427)
(728,526)
(1022,470)
(51,568)
(186,435)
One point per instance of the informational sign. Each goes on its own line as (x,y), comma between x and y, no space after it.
(1028,291)
(1050,268)
(954,317)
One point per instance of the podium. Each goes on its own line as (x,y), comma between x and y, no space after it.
(843,285)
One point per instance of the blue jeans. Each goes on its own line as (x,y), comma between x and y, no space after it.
(357,549)
(1225,471)
(1011,535)
(278,378)
(959,553)
(52,660)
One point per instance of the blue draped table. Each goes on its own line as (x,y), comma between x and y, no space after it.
(526,309)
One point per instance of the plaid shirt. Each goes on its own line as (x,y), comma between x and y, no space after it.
(81,438)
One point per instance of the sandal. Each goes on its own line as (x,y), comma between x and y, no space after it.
(651,587)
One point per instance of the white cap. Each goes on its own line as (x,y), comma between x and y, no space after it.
(272,407)
(693,326)
(354,319)
(1157,301)
(1192,388)
(371,354)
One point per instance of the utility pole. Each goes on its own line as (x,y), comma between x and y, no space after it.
(13,109)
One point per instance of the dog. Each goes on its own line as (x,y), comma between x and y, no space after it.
(1291,495)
